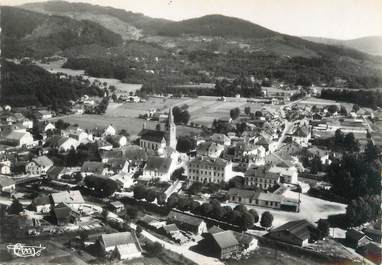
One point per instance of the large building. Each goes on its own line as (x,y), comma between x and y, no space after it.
(260,177)
(263,199)
(157,140)
(295,233)
(207,169)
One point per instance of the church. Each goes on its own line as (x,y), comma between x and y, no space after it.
(161,142)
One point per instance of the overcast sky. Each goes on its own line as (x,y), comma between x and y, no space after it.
(342,19)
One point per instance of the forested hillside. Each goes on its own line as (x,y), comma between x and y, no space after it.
(24,85)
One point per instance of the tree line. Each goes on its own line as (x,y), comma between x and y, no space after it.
(364,98)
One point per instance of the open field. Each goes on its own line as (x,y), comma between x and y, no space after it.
(320,102)
(132,125)
(203,109)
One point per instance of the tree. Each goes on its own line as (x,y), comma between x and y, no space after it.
(16,207)
(161,198)
(371,151)
(234,113)
(195,188)
(61,125)
(178,174)
(236,182)
(247,220)
(206,209)
(109,187)
(154,249)
(316,165)
(315,109)
(339,138)
(258,114)
(138,230)
(332,109)
(350,143)
(247,110)
(266,219)
(255,215)
(172,201)
(124,133)
(185,116)
(355,108)
(150,195)
(185,144)
(139,192)
(343,110)
(323,228)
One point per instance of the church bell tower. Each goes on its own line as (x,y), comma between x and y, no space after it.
(172,130)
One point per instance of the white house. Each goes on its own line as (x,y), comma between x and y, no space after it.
(20,139)
(109,131)
(210,149)
(288,174)
(7,184)
(39,166)
(158,168)
(44,114)
(65,144)
(125,244)
(220,139)
(49,126)
(5,165)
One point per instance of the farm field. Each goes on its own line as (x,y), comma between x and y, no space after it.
(203,109)
(132,125)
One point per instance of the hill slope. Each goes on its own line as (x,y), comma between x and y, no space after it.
(126,23)
(27,33)
(216,25)
(194,50)
(371,44)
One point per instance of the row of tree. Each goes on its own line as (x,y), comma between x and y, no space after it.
(364,98)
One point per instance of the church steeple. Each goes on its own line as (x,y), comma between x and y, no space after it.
(172,130)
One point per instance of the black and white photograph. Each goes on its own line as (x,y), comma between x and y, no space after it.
(190,132)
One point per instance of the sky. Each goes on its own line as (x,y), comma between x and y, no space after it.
(340,19)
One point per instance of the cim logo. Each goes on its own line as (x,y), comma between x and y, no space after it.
(23,251)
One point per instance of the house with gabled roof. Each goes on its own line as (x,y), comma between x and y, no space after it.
(356,238)
(72,198)
(39,166)
(18,139)
(297,233)
(222,244)
(158,168)
(126,244)
(7,184)
(187,222)
(220,138)
(63,214)
(92,168)
(210,149)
